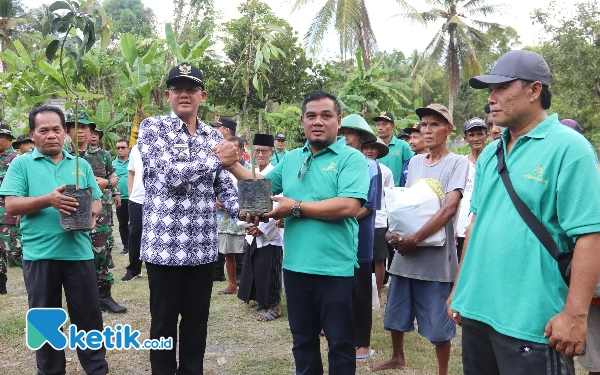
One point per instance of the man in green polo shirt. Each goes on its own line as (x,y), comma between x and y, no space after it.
(54,258)
(399,150)
(121,163)
(518,314)
(324,185)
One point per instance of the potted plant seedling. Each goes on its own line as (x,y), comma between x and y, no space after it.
(74,27)
(254,196)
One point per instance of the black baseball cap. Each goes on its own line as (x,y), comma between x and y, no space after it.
(280,137)
(416,128)
(385,116)
(186,71)
(226,122)
(403,134)
(513,65)
(474,123)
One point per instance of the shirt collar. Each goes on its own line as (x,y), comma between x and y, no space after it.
(119,160)
(540,131)
(336,146)
(38,155)
(392,141)
(179,124)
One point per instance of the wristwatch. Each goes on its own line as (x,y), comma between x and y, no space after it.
(296,211)
(110,185)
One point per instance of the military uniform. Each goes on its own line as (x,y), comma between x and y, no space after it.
(10,237)
(101,163)
(102,167)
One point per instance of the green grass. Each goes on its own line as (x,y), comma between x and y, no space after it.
(237,344)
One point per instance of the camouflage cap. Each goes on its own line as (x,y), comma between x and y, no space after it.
(99,131)
(22,139)
(82,118)
(5,129)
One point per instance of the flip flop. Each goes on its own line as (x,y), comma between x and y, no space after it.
(270,315)
(223,292)
(366,356)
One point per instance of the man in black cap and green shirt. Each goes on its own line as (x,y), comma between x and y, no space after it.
(475,135)
(10,238)
(280,150)
(23,144)
(104,172)
(182,179)
(519,315)
(399,150)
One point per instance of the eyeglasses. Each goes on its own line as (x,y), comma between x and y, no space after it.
(302,171)
(189,90)
(262,151)
(121,147)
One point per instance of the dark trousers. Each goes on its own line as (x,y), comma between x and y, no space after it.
(363,307)
(315,302)
(174,291)
(135,238)
(486,351)
(123,217)
(44,280)
(459,247)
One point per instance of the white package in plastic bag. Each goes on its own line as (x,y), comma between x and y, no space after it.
(409,209)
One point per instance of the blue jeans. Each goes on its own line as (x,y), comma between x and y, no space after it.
(315,302)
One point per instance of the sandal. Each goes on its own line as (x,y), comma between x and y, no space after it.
(223,292)
(257,308)
(269,316)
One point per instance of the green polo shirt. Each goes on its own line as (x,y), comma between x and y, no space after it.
(122,173)
(34,175)
(399,153)
(508,279)
(278,157)
(321,247)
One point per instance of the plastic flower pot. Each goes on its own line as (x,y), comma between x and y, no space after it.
(254,196)
(80,220)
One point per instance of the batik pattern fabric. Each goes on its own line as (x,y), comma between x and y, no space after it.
(182,180)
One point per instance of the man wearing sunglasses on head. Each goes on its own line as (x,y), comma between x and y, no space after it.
(324,185)
(182,181)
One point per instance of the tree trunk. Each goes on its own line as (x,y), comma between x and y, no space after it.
(453,67)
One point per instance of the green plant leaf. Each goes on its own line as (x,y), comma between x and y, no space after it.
(103,111)
(51,49)
(51,71)
(172,43)
(140,71)
(128,48)
(199,48)
(60,5)
(149,56)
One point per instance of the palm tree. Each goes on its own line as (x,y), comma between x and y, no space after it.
(11,18)
(350,18)
(456,41)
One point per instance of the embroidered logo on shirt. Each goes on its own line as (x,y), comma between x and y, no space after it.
(537,175)
(81,173)
(330,167)
(396,152)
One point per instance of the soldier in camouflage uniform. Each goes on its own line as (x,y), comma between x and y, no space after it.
(10,238)
(101,163)
(95,139)
(23,144)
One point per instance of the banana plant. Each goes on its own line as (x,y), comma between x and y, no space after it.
(108,125)
(368,90)
(186,53)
